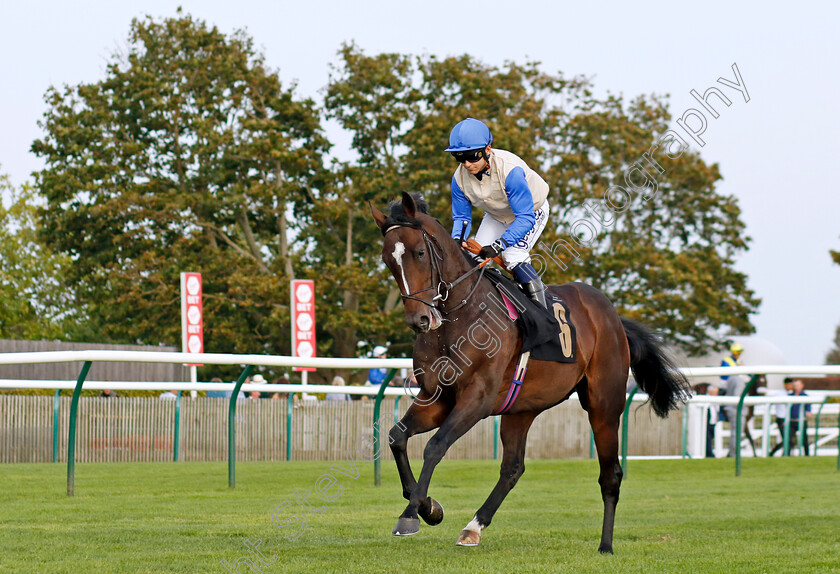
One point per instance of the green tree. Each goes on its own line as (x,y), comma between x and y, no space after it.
(666,259)
(664,252)
(833,356)
(33,302)
(187,156)
(373,99)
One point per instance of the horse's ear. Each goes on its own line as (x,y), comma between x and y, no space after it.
(409,205)
(378,216)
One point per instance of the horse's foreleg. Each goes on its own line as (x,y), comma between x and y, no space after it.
(456,425)
(513,432)
(417,420)
(747,430)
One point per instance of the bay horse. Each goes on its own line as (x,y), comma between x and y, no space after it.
(465,357)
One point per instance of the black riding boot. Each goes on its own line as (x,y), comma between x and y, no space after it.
(536,290)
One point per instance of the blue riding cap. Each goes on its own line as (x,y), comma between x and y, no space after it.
(469,134)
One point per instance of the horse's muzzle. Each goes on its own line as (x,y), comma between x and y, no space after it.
(427,320)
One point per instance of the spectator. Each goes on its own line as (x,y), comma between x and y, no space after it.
(251,394)
(712,416)
(222,394)
(284,380)
(795,409)
(412,380)
(733,360)
(258,379)
(338,382)
(781,415)
(735,385)
(108,394)
(377,376)
(169,396)
(215,394)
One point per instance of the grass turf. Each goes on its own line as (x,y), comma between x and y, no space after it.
(687,516)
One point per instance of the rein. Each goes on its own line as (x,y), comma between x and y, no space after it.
(443,287)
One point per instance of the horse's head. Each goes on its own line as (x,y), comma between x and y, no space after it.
(413,250)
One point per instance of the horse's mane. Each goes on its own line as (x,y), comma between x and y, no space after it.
(398,216)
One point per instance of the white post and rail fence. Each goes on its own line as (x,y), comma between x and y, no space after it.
(576,425)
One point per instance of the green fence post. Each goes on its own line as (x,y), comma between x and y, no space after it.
(377,452)
(290,407)
(738,423)
(56,406)
(397,409)
(685,432)
(765,441)
(71,439)
(496,437)
(817,428)
(176,438)
(232,426)
(625,430)
(838,442)
(591,443)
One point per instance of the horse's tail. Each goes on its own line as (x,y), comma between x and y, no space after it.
(654,370)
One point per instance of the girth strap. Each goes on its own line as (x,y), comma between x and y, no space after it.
(516,384)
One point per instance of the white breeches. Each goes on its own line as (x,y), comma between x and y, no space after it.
(492,229)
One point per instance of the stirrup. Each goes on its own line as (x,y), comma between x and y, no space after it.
(536,290)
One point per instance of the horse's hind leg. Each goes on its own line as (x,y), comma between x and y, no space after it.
(513,431)
(605,427)
(603,398)
(606,441)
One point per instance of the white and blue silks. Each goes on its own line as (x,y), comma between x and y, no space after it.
(514,200)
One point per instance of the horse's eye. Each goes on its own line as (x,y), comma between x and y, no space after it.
(421,253)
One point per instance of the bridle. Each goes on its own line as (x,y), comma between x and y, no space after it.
(443,288)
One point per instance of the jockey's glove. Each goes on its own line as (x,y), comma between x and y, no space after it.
(493,250)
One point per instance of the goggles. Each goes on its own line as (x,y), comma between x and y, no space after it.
(471,156)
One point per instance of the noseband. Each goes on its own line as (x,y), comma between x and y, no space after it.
(443,287)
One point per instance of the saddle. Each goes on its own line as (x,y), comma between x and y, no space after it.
(548,334)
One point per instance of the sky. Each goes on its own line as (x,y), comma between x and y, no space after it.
(776,151)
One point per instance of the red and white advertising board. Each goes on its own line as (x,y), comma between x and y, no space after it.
(192,319)
(303,320)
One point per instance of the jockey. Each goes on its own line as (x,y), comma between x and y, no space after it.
(511,194)
(732,360)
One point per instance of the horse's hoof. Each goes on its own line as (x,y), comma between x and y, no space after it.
(407,526)
(469,538)
(435,514)
(605,549)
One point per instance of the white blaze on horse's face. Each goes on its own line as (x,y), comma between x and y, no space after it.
(399,251)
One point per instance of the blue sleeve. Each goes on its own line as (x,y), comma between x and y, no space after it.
(461,210)
(723,363)
(522,203)
(377,376)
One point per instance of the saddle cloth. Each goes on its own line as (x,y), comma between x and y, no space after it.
(548,333)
